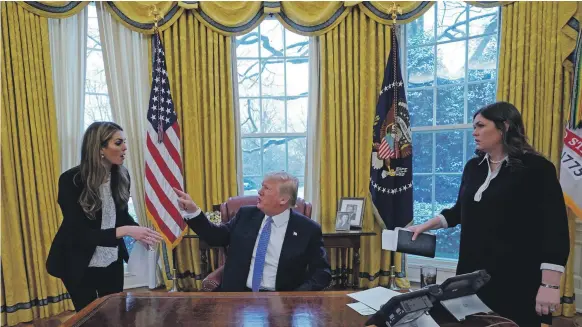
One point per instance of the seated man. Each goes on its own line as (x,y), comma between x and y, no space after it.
(271,247)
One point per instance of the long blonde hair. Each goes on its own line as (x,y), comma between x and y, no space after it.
(93,173)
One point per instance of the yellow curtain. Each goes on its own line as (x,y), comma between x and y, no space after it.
(30,169)
(199,70)
(353,57)
(532,76)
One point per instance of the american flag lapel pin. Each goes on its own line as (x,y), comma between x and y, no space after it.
(294,233)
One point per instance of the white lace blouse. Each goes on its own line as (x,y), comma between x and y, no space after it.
(106,255)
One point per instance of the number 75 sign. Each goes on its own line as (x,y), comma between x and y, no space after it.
(571,170)
(572,154)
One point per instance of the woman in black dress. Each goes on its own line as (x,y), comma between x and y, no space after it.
(513,217)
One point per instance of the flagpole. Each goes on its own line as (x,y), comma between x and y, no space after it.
(157,17)
(395,10)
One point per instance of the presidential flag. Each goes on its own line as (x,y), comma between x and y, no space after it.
(391,167)
(163,169)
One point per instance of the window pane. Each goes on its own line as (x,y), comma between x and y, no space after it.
(252,185)
(249,115)
(248,77)
(274,155)
(421,105)
(422,152)
(97,108)
(95,79)
(482,20)
(273,118)
(421,30)
(466,74)
(251,156)
(449,152)
(273,95)
(446,191)
(448,241)
(483,58)
(301,190)
(271,39)
(93,40)
(273,77)
(297,45)
(247,46)
(297,75)
(296,155)
(470,145)
(479,95)
(450,105)
(451,62)
(297,115)
(451,20)
(422,195)
(420,63)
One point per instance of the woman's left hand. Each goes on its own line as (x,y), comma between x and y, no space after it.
(547,301)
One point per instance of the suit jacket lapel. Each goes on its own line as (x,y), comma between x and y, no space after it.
(288,243)
(252,231)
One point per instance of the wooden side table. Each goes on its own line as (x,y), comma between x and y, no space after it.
(347,240)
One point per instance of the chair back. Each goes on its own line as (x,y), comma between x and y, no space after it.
(229,208)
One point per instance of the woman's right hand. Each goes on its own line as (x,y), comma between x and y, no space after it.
(143,234)
(417,230)
(433,223)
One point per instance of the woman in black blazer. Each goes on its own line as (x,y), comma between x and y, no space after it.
(87,252)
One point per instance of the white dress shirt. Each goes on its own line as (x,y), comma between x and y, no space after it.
(278,230)
(490,176)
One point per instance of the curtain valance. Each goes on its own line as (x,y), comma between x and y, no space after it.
(239,17)
(54,9)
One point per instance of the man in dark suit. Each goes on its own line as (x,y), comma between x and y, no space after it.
(271,247)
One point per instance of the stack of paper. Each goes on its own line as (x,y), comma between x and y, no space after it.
(374,297)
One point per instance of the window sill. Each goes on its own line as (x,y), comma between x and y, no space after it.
(445,267)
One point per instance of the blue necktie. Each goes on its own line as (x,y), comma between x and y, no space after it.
(260,255)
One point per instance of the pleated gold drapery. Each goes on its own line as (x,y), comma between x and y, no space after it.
(199,70)
(531,72)
(353,57)
(30,170)
(536,76)
(239,17)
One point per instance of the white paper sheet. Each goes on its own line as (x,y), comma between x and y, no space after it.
(389,240)
(374,297)
(362,309)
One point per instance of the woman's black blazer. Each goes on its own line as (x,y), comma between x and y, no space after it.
(78,236)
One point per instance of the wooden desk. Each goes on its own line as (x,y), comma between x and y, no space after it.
(342,240)
(224,309)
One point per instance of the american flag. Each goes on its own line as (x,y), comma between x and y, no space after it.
(163,155)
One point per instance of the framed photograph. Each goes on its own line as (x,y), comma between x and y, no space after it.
(342,220)
(355,205)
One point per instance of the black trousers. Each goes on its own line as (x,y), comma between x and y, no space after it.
(96,282)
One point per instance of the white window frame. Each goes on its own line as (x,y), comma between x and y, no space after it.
(262,135)
(446,267)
